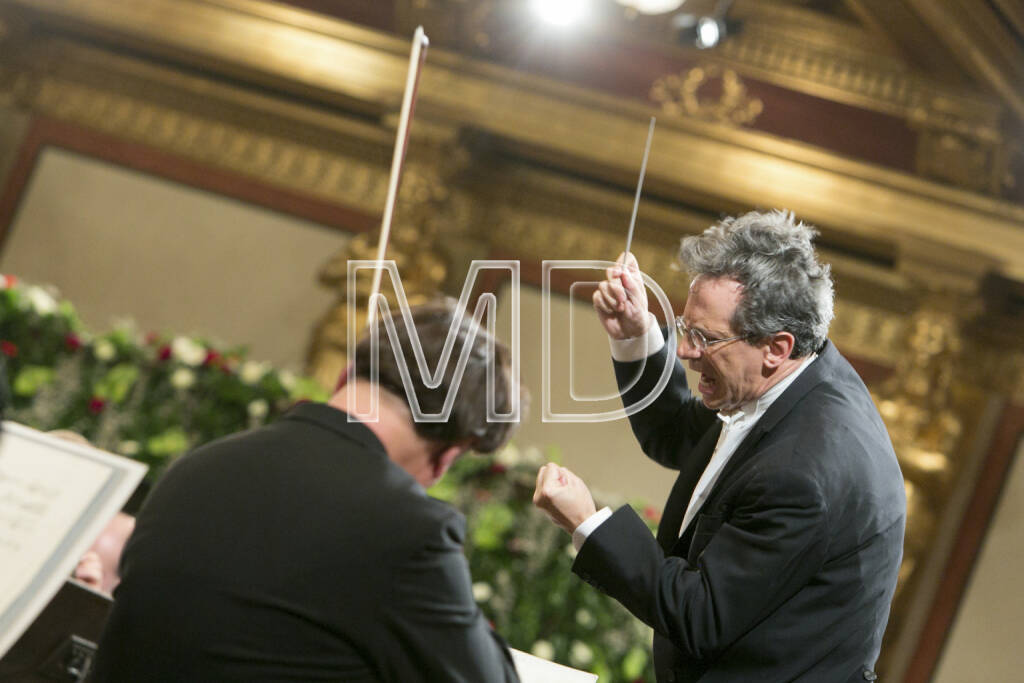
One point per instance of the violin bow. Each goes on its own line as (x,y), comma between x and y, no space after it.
(417,57)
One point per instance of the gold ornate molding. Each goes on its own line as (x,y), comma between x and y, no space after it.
(777,47)
(574,128)
(967,153)
(542,236)
(278,161)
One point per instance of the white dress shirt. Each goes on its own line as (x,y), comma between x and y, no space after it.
(735,428)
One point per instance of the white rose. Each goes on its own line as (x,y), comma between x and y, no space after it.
(287,380)
(128,447)
(543,649)
(187,351)
(252,372)
(508,456)
(104,350)
(584,618)
(182,378)
(482,591)
(41,300)
(580,654)
(258,409)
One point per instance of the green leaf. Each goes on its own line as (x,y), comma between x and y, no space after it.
(446,489)
(634,663)
(31,379)
(308,390)
(492,523)
(169,442)
(117,382)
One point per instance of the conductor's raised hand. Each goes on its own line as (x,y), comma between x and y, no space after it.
(621,300)
(563,497)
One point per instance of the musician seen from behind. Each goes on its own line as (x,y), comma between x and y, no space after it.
(308,550)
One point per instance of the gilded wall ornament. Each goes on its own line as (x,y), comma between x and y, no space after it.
(689,94)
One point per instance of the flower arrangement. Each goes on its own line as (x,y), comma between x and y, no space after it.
(153,397)
(149,397)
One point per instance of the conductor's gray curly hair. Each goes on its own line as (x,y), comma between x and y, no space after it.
(785,287)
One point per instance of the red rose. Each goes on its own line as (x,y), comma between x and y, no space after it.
(212,358)
(652,513)
(9,281)
(96,405)
(164,353)
(498,468)
(72,342)
(8,348)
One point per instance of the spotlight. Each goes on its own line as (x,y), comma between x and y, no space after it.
(709,32)
(705,31)
(559,12)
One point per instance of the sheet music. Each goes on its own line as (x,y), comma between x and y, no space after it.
(55,498)
(536,670)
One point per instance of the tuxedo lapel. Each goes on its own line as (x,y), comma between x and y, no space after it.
(679,498)
(810,378)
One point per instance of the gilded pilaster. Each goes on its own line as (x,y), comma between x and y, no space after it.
(932,405)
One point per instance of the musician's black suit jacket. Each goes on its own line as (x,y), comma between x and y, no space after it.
(788,571)
(297,552)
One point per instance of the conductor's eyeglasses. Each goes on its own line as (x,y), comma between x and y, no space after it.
(696,337)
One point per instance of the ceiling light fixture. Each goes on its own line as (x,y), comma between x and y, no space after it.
(704,31)
(709,32)
(653,6)
(559,12)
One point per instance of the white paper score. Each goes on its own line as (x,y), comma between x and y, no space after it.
(55,498)
(536,670)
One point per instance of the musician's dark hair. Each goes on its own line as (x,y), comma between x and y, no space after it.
(468,422)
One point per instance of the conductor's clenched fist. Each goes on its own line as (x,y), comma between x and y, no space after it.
(563,496)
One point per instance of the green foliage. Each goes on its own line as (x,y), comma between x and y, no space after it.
(521,566)
(149,397)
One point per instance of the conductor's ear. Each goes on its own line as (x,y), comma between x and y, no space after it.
(778,347)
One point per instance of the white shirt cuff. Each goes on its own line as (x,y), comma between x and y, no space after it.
(579,536)
(638,348)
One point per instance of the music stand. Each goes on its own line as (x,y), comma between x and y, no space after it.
(61,642)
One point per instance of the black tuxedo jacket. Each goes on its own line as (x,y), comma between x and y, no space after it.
(788,571)
(297,552)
